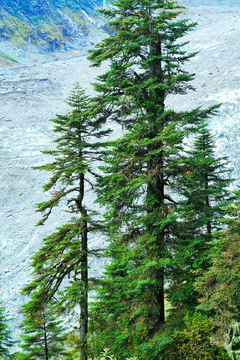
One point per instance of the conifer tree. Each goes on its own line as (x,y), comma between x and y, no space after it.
(219,286)
(65,252)
(5,335)
(141,169)
(204,185)
(43,334)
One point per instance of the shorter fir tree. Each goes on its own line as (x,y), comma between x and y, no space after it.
(64,255)
(204,186)
(43,334)
(5,335)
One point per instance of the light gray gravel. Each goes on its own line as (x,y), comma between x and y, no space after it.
(33,93)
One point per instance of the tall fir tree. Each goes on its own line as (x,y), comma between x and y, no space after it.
(205,188)
(141,169)
(65,252)
(5,335)
(43,334)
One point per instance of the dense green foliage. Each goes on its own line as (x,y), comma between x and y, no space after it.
(5,335)
(221,283)
(192,341)
(204,189)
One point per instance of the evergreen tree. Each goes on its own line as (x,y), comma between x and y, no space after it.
(43,335)
(204,186)
(220,285)
(5,338)
(65,252)
(141,170)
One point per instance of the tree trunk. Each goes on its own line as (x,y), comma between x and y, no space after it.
(84,295)
(156,189)
(45,341)
(208,205)
(156,164)
(84,276)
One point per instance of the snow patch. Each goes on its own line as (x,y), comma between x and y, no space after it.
(87,16)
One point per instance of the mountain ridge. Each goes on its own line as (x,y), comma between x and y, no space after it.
(48,25)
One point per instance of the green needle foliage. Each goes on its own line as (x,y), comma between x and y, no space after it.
(43,334)
(65,252)
(141,170)
(204,184)
(220,285)
(5,335)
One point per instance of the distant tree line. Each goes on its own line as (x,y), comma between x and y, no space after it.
(171,288)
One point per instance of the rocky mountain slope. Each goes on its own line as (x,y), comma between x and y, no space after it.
(199,3)
(46,25)
(32,93)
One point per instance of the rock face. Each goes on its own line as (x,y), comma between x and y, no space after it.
(48,25)
(32,93)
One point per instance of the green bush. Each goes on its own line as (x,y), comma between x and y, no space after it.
(106,356)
